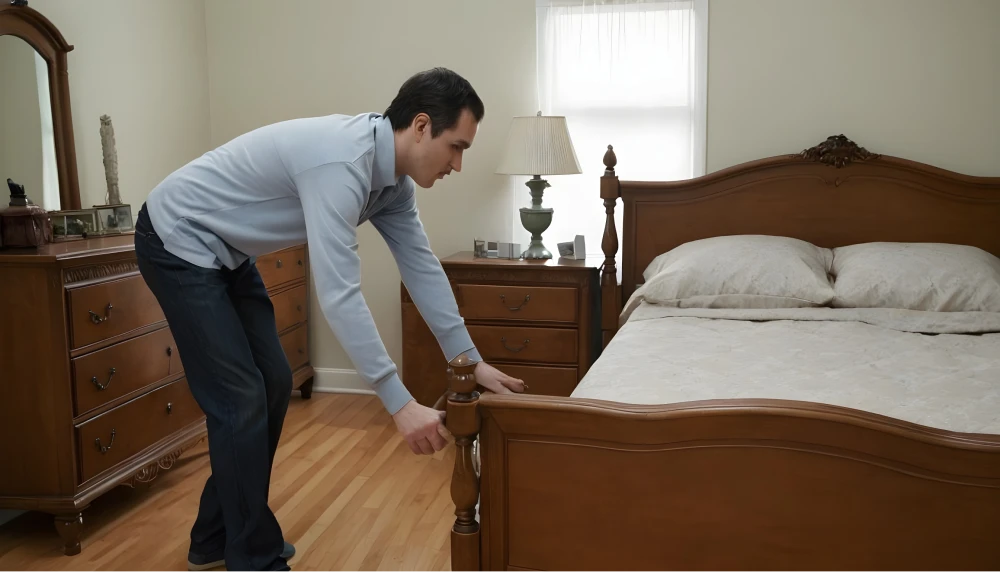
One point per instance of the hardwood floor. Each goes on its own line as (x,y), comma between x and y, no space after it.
(346,489)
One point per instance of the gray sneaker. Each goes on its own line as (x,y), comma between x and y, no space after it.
(216,559)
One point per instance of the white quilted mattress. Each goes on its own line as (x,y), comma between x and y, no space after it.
(881,361)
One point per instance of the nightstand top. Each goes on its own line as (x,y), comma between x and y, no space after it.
(466,258)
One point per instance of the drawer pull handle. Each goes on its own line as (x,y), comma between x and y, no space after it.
(100,387)
(300,263)
(170,351)
(503,299)
(170,407)
(503,340)
(278,264)
(299,307)
(102,448)
(97,319)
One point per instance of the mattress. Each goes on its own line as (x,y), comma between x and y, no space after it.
(936,369)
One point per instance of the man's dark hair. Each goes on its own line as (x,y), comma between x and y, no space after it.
(440,93)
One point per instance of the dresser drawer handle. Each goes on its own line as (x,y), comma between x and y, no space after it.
(102,448)
(170,407)
(97,319)
(300,263)
(503,299)
(503,340)
(100,387)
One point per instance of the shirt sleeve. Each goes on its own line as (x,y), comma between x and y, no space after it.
(332,199)
(425,280)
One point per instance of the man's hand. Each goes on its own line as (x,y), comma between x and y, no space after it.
(496,381)
(421,427)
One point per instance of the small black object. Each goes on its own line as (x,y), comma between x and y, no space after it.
(17,196)
(19,2)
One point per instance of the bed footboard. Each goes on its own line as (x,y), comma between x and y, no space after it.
(743,484)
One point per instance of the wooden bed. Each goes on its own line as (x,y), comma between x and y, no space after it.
(570,483)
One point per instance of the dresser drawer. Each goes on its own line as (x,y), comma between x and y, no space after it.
(541,380)
(523,344)
(108,309)
(112,372)
(283,266)
(296,345)
(540,303)
(290,307)
(128,429)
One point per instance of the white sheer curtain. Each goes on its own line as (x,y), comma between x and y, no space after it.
(629,73)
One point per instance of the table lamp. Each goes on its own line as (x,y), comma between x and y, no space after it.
(538,145)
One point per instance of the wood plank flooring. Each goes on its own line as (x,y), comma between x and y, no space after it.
(346,489)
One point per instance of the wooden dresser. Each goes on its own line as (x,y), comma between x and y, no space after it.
(534,320)
(92,391)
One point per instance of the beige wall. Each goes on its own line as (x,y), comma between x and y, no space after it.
(915,78)
(144,63)
(912,78)
(20,120)
(909,77)
(270,61)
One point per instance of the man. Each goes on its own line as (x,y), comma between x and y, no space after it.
(301,181)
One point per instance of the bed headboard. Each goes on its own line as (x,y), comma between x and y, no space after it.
(833,194)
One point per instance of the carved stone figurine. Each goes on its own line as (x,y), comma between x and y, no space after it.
(110,160)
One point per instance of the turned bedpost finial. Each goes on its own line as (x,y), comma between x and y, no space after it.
(462,420)
(610,160)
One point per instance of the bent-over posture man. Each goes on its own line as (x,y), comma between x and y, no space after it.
(309,181)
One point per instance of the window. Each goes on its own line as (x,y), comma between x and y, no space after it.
(631,74)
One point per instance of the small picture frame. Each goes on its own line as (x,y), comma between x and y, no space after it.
(113,219)
(73,224)
(479,248)
(575,250)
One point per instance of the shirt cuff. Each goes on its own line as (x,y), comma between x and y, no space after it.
(459,342)
(393,394)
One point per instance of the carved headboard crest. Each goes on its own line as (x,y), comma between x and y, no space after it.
(837,151)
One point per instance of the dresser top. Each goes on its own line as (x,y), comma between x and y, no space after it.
(71,249)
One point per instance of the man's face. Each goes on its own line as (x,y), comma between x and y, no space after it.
(437,157)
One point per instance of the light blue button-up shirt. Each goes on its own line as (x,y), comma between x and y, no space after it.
(314,180)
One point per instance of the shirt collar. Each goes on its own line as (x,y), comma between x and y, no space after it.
(384,164)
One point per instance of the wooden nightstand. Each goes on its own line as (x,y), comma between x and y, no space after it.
(535,320)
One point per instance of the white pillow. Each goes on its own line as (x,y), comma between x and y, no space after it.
(933,277)
(743,271)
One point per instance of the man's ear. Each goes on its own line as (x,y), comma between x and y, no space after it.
(421,126)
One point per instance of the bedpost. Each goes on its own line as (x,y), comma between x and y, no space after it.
(610,292)
(463,422)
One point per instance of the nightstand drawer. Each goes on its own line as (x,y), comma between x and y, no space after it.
(515,343)
(542,380)
(529,303)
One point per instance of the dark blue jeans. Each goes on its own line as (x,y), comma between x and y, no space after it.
(223,323)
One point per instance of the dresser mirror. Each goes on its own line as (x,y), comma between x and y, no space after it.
(37,148)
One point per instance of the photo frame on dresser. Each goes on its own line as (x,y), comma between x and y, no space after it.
(93,394)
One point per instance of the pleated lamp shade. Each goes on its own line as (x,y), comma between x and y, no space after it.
(539,145)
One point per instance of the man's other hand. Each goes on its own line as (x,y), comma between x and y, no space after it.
(422,428)
(497,381)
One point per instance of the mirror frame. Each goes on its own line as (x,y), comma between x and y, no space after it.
(29,25)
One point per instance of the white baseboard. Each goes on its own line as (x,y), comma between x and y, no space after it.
(334,380)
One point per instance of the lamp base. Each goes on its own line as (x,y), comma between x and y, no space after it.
(536,219)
